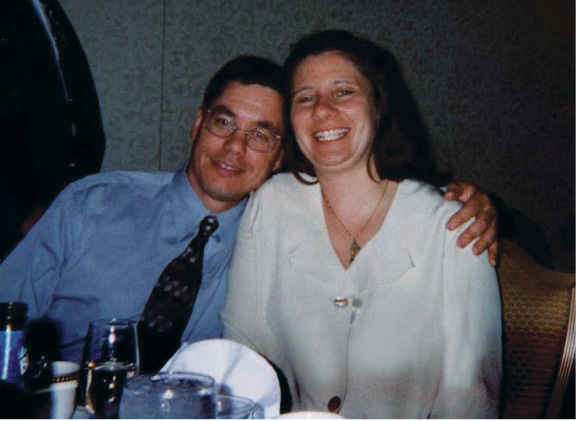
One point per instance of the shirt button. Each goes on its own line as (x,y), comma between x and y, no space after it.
(217,238)
(334,404)
(340,301)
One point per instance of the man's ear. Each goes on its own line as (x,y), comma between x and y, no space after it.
(197,123)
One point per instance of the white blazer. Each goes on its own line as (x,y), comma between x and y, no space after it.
(411,330)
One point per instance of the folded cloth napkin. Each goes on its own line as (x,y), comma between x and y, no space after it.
(237,369)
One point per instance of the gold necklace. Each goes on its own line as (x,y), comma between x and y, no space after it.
(354,247)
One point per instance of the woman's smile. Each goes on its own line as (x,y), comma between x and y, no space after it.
(333,112)
(330,135)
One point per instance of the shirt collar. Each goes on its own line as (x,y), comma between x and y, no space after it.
(189,209)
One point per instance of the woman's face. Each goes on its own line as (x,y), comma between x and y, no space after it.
(333,113)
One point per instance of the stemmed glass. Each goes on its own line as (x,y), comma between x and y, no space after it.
(170,395)
(110,357)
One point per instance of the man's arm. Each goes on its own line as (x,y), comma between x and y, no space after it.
(30,272)
(476,204)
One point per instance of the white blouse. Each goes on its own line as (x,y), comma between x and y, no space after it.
(411,329)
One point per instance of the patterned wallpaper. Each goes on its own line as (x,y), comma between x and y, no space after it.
(494,79)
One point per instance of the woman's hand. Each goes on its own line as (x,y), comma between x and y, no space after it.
(476,204)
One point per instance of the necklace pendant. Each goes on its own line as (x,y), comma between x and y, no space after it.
(354,249)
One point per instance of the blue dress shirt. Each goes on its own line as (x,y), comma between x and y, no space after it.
(99,249)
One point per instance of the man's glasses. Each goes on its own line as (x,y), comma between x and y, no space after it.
(259,139)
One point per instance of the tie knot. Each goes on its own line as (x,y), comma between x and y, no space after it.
(208,226)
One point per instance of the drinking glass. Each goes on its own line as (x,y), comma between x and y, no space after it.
(110,357)
(169,395)
(237,407)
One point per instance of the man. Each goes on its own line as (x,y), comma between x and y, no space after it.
(98,251)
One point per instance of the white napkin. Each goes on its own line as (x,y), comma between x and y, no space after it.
(236,368)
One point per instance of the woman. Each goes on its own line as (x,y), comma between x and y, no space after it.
(344,275)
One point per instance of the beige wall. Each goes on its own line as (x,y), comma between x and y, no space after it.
(495,80)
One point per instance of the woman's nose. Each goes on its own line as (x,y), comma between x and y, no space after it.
(324,108)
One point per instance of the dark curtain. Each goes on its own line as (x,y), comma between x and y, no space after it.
(50,123)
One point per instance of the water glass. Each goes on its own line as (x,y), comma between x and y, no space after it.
(106,387)
(110,357)
(237,407)
(310,415)
(173,395)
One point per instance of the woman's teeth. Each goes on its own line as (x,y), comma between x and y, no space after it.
(330,135)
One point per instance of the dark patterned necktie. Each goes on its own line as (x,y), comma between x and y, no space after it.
(170,304)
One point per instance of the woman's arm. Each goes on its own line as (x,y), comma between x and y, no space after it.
(471,322)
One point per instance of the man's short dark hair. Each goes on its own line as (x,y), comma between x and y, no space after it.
(247,70)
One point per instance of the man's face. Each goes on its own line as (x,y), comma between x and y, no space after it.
(223,171)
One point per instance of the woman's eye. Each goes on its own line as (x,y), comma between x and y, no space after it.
(304,100)
(344,92)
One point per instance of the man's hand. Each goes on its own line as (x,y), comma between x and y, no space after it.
(476,204)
